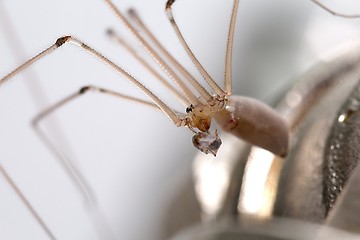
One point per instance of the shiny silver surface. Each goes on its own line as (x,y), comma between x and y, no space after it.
(321,108)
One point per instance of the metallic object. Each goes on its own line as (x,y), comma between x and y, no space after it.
(315,184)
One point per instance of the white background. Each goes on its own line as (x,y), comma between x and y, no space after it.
(136,161)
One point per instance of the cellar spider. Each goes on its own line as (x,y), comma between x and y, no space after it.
(240,116)
(278,133)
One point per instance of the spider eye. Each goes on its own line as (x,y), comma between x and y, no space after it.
(189,109)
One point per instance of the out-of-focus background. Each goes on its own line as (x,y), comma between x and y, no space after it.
(136,161)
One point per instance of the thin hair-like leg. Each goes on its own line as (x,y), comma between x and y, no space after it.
(145,30)
(80,181)
(40,99)
(18,51)
(26,203)
(81,92)
(229,49)
(111,33)
(344,15)
(187,92)
(100,223)
(196,62)
(95,215)
(69,39)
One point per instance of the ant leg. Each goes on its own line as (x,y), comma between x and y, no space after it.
(317,2)
(26,203)
(229,49)
(196,62)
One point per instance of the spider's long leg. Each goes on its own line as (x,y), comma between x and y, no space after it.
(229,49)
(196,62)
(18,51)
(147,66)
(98,219)
(81,92)
(72,170)
(40,99)
(145,30)
(344,15)
(81,183)
(187,92)
(26,203)
(69,39)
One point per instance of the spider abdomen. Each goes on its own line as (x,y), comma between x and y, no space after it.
(256,123)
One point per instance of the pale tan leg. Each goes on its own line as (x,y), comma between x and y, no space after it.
(196,62)
(145,30)
(69,39)
(26,203)
(38,94)
(74,174)
(317,2)
(229,49)
(81,92)
(148,67)
(78,179)
(187,92)
(40,99)
(18,51)
(98,219)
